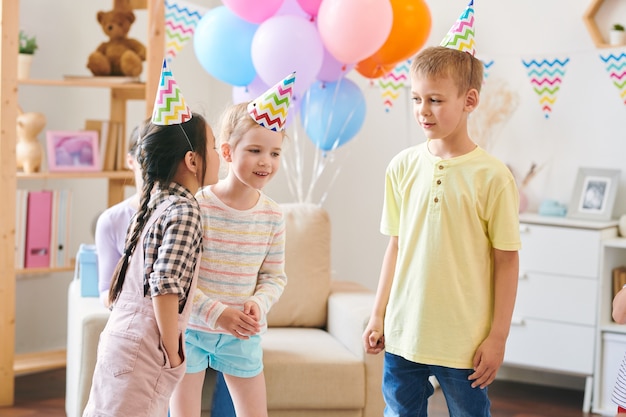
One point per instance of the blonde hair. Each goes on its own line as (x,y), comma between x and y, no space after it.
(235,122)
(440,61)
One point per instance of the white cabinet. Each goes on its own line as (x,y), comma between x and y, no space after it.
(610,337)
(554,321)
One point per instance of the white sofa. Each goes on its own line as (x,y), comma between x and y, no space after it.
(313,357)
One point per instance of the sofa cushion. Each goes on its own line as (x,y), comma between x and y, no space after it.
(302,366)
(307,264)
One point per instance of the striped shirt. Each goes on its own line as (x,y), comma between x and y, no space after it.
(173,244)
(243,259)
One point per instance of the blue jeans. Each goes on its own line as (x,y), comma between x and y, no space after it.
(406,389)
(222,405)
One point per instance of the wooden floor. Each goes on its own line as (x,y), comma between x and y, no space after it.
(43,394)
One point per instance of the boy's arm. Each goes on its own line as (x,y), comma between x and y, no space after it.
(374,336)
(619,307)
(490,353)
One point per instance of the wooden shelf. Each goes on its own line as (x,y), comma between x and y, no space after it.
(95,82)
(42,271)
(589,18)
(27,363)
(112,175)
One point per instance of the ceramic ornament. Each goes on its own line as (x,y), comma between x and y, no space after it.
(461,34)
(169,106)
(181,19)
(615,65)
(546,77)
(270,108)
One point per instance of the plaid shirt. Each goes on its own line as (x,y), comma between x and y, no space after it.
(173,244)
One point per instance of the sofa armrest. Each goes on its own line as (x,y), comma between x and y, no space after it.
(349,308)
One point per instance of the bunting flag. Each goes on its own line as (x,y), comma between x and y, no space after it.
(615,65)
(270,108)
(487,64)
(181,18)
(546,77)
(393,82)
(461,34)
(169,105)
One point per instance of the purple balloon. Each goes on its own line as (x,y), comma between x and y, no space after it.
(332,69)
(284,44)
(249,92)
(291,8)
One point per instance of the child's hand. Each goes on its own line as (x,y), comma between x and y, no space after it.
(252,309)
(374,338)
(238,323)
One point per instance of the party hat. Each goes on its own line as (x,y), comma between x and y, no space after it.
(169,106)
(461,34)
(270,108)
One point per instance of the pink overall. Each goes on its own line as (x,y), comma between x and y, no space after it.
(133,376)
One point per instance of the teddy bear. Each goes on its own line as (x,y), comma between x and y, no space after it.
(120,55)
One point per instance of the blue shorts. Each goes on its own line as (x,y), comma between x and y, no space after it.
(224,353)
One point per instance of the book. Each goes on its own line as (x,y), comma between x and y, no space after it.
(110,155)
(63,258)
(21,204)
(38,229)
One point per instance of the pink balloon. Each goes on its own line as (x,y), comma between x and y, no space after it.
(352,30)
(284,44)
(332,70)
(310,6)
(254,11)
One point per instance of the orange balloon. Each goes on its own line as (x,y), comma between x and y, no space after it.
(409,32)
(369,68)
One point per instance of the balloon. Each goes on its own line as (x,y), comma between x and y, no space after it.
(332,113)
(310,6)
(353,30)
(410,30)
(332,70)
(222,45)
(254,11)
(250,91)
(370,69)
(291,8)
(283,44)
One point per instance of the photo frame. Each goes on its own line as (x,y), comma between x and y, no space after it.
(76,151)
(594,194)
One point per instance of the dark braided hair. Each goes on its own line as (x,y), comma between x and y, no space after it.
(159,153)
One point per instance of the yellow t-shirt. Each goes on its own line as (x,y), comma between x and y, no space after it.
(448,215)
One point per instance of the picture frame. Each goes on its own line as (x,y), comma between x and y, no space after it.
(594,194)
(72,151)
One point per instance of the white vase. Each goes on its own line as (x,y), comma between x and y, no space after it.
(24,62)
(617,37)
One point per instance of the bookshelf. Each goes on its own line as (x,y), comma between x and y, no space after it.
(10,363)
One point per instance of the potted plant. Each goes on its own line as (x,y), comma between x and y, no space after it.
(617,36)
(27,47)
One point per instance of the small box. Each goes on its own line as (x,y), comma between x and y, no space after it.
(613,349)
(87,270)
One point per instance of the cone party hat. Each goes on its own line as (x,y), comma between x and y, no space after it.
(169,105)
(461,34)
(270,108)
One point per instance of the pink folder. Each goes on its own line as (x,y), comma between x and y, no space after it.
(38,220)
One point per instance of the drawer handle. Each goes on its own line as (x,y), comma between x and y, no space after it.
(516,321)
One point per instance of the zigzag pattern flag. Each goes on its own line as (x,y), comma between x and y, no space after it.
(616,67)
(169,105)
(461,34)
(181,18)
(546,77)
(487,64)
(392,83)
(270,108)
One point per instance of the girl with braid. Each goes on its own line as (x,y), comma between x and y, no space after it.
(141,355)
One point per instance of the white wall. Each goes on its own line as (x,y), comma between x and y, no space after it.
(585,129)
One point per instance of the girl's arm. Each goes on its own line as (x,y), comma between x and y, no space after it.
(166,313)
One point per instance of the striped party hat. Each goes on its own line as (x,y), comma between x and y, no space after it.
(461,34)
(270,108)
(169,106)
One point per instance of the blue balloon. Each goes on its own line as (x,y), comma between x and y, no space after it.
(332,113)
(222,42)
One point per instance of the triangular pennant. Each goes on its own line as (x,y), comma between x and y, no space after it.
(270,108)
(487,64)
(392,83)
(461,34)
(181,18)
(546,77)
(615,66)
(169,105)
